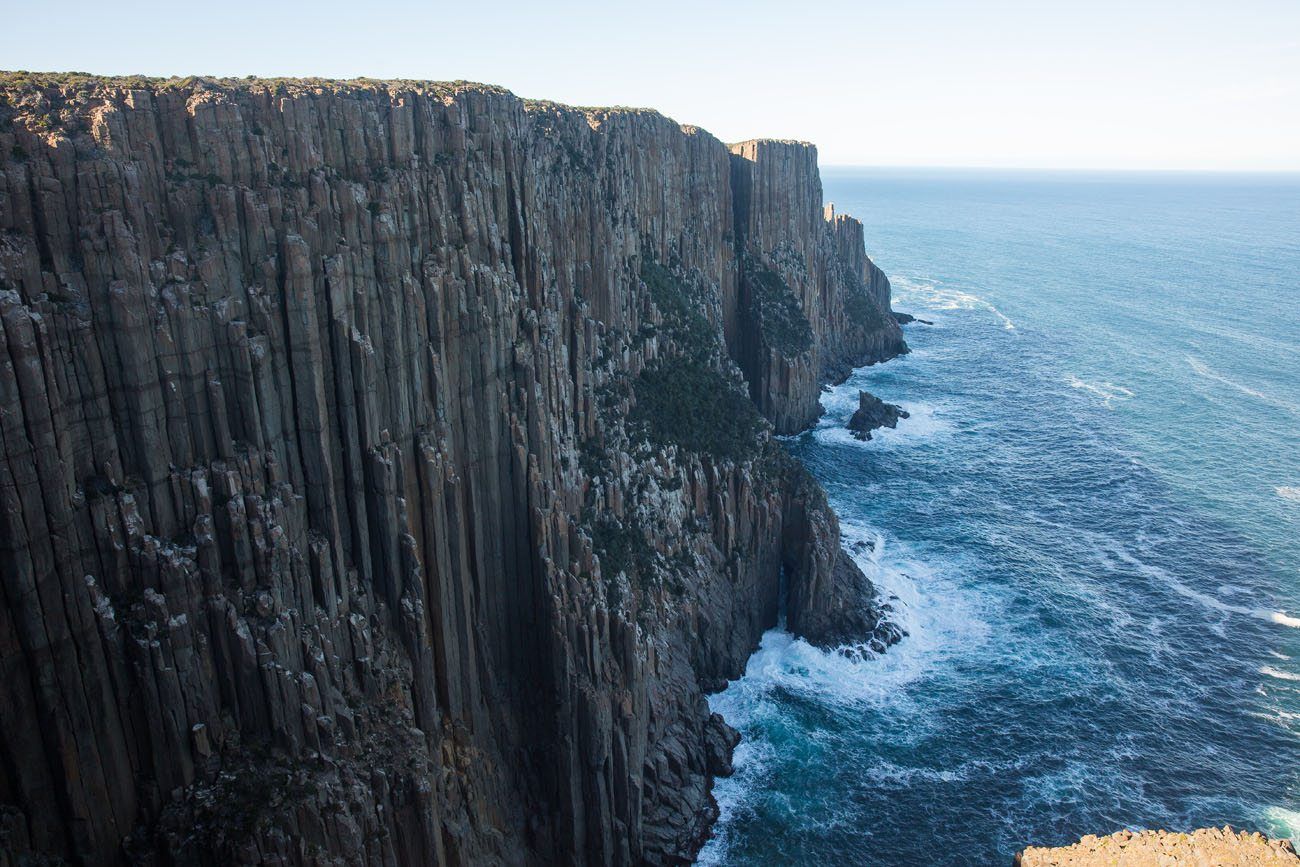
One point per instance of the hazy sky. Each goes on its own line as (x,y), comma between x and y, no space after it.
(1138,84)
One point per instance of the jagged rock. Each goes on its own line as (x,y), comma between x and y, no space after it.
(872,413)
(1221,847)
(330,529)
(721,742)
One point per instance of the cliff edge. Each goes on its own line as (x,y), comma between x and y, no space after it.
(386,468)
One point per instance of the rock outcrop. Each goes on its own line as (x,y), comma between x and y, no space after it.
(1207,847)
(379,476)
(873,413)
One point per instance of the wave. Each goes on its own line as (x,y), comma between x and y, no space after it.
(933,297)
(1282,618)
(1107,391)
(1288,492)
(840,402)
(922,424)
(884,772)
(938,622)
(1165,577)
(1204,370)
(1281,822)
(1279,674)
(941,619)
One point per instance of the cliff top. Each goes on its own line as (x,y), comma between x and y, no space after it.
(1221,847)
(771,141)
(17,84)
(24,80)
(84,85)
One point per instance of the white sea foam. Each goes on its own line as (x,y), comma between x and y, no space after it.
(941,620)
(931,296)
(937,623)
(924,421)
(1288,492)
(1282,618)
(1278,673)
(1204,370)
(1107,391)
(839,402)
(1281,822)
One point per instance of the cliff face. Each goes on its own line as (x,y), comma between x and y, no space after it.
(813,306)
(378,480)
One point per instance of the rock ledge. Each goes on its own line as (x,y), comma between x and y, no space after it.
(1206,847)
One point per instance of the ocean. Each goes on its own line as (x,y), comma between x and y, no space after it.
(1089,527)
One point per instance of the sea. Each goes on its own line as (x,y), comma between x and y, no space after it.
(1089,527)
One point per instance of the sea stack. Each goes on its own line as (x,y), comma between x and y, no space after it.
(873,413)
(388,467)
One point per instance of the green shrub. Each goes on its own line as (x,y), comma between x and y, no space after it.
(621,547)
(680,307)
(781,319)
(686,403)
(862,310)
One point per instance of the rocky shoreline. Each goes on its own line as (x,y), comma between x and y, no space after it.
(387,468)
(1212,847)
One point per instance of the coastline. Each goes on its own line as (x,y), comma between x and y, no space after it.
(1091,630)
(410,449)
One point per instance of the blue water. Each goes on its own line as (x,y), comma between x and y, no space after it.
(1090,527)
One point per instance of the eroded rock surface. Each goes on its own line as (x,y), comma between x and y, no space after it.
(386,468)
(873,413)
(1207,847)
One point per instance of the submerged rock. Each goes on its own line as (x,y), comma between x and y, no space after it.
(1212,847)
(873,413)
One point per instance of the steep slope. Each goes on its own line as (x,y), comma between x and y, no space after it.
(378,479)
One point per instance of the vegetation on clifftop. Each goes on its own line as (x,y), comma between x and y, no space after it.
(83,81)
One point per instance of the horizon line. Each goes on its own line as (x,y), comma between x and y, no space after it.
(957,167)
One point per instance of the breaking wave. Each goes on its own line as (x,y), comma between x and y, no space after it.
(937,298)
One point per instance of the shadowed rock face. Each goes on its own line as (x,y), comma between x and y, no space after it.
(335,526)
(873,413)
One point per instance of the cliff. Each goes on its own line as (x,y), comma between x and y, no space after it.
(386,468)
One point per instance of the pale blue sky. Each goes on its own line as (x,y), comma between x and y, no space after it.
(1100,84)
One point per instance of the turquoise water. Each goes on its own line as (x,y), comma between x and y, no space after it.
(1090,527)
